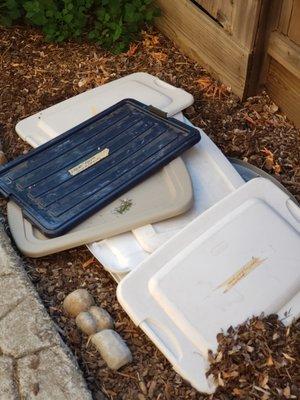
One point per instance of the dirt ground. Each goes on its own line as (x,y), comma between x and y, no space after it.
(34,75)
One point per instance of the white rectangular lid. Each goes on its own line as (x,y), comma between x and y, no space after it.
(213,178)
(168,184)
(47,124)
(239,258)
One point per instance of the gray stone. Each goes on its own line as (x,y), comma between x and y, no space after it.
(86,322)
(50,375)
(102,318)
(26,329)
(13,290)
(112,348)
(8,258)
(77,301)
(28,339)
(7,386)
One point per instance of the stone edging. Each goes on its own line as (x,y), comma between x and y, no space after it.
(34,361)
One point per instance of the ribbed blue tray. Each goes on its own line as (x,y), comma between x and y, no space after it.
(64,181)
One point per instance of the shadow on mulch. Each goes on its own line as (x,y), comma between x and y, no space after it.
(35,75)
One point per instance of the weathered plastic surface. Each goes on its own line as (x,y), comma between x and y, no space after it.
(163,195)
(213,178)
(64,181)
(239,258)
(51,122)
(171,182)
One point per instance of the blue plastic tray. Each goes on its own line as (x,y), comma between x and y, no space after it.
(64,181)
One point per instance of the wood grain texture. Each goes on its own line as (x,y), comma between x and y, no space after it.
(294,27)
(272,21)
(286,52)
(221,10)
(285,16)
(258,50)
(205,41)
(245,20)
(284,89)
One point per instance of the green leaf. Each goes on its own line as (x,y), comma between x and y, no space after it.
(111,23)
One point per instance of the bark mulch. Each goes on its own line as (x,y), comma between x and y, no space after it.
(35,75)
(258,360)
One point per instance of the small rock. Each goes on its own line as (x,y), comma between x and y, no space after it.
(112,348)
(77,301)
(86,322)
(102,318)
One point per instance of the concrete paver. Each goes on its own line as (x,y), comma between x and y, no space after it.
(8,390)
(34,361)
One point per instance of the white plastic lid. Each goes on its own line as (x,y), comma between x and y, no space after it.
(239,258)
(213,178)
(47,124)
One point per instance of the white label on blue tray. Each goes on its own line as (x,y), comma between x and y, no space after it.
(89,162)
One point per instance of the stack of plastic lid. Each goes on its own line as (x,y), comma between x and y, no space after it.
(194,248)
(165,194)
(239,258)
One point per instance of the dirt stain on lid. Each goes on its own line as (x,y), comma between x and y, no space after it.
(241,273)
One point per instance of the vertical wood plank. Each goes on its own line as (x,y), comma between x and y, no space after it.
(285,16)
(272,21)
(284,89)
(220,10)
(285,52)
(245,19)
(294,27)
(203,39)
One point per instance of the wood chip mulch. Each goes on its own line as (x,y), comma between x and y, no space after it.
(35,75)
(258,360)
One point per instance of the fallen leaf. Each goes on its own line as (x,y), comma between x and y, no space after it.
(287,392)
(159,56)
(220,380)
(219,357)
(270,162)
(88,262)
(273,108)
(269,361)
(288,357)
(132,49)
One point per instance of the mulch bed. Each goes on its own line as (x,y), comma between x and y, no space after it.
(258,360)
(34,75)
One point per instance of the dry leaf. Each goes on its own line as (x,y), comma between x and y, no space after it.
(238,392)
(211,88)
(288,357)
(287,392)
(270,162)
(229,375)
(269,361)
(220,380)
(219,357)
(150,41)
(263,381)
(88,262)
(132,49)
(259,325)
(273,108)
(159,56)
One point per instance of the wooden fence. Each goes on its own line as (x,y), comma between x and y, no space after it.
(242,42)
(282,69)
